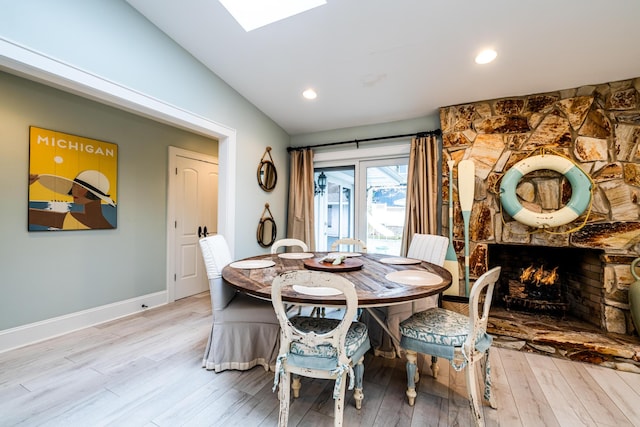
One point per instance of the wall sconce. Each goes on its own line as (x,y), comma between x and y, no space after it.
(318,188)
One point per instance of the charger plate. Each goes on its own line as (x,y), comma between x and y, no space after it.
(398,260)
(414,277)
(296,255)
(253,263)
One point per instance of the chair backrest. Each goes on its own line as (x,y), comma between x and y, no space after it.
(428,247)
(478,320)
(314,279)
(216,255)
(288,242)
(358,245)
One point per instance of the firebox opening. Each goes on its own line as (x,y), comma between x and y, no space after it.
(549,280)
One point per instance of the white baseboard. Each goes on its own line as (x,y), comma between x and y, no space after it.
(45,329)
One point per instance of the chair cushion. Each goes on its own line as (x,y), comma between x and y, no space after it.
(325,355)
(438,331)
(437,326)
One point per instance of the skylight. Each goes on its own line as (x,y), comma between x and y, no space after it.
(252,14)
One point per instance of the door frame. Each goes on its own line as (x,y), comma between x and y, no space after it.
(172,193)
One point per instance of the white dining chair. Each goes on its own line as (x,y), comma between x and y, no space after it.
(356,244)
(462,339)
(285,243)
(426,247)
(245,330)
(319,347)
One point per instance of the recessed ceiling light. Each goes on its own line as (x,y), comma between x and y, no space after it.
(252,14)
(486,56)
(310,94)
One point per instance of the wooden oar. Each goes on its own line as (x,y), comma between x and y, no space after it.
(451,259)
(466,185)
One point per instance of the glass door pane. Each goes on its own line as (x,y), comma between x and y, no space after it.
(383,197)
(334,205)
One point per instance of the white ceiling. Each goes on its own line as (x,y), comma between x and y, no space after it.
(377,61)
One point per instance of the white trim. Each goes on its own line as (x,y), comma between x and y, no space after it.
(36,66)
(336,156)
(50,328)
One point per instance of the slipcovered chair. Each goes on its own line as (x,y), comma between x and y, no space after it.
(426,247)
(318,347)
(462,339)
(287,243)
(245,330)
(358,245)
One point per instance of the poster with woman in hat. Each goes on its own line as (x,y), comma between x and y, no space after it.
(72,182)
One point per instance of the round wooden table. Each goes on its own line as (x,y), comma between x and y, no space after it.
(372,286)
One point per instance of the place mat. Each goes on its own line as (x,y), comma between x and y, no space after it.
(253,263)
(345,254)
(349,264)
(296,255)
(398,260)
(414,277)
(320,291)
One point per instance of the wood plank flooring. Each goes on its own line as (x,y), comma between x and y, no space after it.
(145,370)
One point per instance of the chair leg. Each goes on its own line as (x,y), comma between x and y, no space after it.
(295,386)
(285,396)
(434,366)
(474,403)
(412,357)
(338,408)
(485,366)
(358,371)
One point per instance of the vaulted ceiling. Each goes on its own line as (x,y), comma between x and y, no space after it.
(376,61)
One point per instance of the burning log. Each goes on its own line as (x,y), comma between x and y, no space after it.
(541,284)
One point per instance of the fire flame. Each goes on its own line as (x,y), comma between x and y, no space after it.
(539,276)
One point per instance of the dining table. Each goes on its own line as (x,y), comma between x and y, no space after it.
(379,279)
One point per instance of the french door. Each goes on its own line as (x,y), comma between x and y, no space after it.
(365,200)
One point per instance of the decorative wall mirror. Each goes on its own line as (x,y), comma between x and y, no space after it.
(267,231)
(267,175)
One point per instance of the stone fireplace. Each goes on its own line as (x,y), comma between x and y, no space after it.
(598,128)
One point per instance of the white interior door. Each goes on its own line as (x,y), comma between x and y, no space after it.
(196,215)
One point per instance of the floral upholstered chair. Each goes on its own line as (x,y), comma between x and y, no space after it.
(462,339)
(319,347)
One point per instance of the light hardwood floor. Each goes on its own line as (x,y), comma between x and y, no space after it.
(145,370)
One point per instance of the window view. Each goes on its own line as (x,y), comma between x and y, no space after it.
(369,205)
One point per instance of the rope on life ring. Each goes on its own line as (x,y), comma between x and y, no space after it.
(580,191)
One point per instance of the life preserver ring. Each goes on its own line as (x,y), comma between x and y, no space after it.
(580,191)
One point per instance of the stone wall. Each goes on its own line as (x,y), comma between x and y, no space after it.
(597,127)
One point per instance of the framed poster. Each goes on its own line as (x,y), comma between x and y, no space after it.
(73,182)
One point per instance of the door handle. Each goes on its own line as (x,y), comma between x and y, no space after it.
(199,231)
(205,231)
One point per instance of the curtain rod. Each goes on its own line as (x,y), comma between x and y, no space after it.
(436,132)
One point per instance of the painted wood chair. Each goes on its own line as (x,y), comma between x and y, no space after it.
(245,331)
(357,245)
(461,339)
(285,243)
(319,347)
(426,247)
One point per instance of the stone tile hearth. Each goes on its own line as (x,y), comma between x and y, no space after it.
(567,338)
